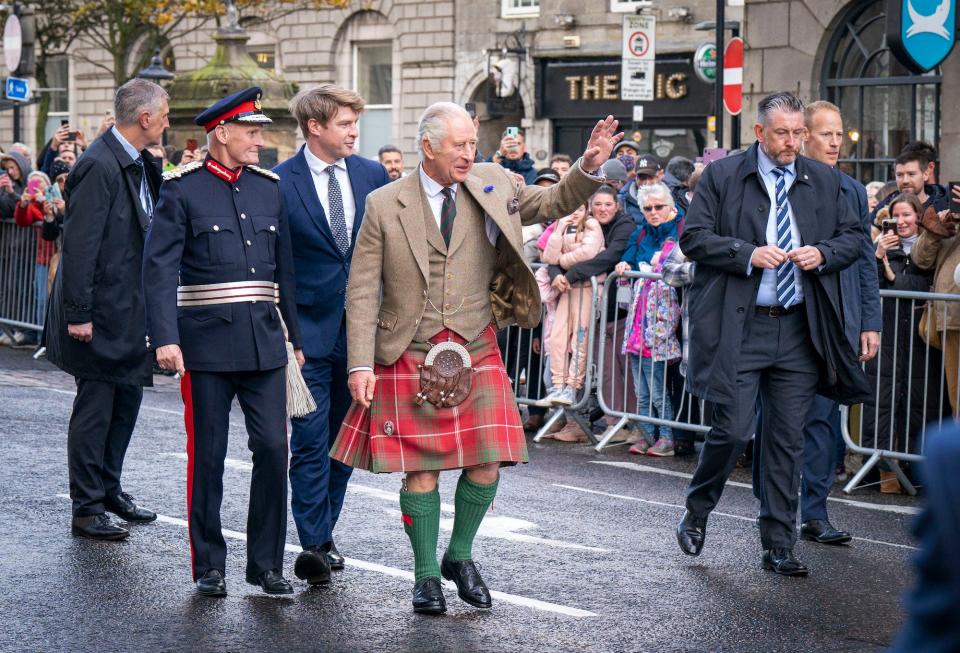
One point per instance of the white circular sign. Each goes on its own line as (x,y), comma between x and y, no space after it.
(12,43)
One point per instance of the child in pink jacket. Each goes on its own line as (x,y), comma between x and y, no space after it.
(574,239)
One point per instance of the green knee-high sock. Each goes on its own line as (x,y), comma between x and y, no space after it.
(471,503)
(421,521)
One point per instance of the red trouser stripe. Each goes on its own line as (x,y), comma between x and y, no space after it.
(186,392)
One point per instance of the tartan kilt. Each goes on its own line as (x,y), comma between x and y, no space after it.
(484,429)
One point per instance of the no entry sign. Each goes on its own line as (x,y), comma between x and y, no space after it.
(733,76)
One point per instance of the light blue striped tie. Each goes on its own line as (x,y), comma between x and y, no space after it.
(786,283)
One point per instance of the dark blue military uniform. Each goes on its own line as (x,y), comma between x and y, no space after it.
(221,228)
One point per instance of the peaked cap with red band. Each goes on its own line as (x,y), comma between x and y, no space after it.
(239,107)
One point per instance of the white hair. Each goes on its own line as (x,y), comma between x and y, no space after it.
(433,123)
(658,190)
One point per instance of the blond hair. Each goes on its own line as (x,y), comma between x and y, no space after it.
(321,103)
(815,107)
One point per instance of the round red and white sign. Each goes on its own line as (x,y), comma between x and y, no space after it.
(733,76)
(12,43)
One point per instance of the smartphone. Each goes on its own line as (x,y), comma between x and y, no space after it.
(191,144)
(889,226)
(471,109)
(52,193)
(953,187)
(64,121)
(32,186)
(513,132)
(71,136)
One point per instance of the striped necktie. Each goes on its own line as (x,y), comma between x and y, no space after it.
(786,282)
(448,213)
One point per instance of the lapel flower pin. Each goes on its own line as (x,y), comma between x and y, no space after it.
(488,189)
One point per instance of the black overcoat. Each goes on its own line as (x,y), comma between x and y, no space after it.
(727,221)
(99,278)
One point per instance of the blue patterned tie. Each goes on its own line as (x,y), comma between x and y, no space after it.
(786,283)
(146,200)
(338,220)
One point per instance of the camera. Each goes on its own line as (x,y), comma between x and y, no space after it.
(889,226)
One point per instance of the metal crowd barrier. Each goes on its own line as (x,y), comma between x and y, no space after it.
(911,382)
(617,391)
(18,277)
(529,370)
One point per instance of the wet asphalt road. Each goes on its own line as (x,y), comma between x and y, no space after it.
(580,545)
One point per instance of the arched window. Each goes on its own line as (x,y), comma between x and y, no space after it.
(884,106)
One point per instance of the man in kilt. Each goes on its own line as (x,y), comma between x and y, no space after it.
(438,266)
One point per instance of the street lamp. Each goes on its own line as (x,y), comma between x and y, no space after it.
(155,72)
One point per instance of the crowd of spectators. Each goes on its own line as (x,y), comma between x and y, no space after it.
(31,198)
(633,224)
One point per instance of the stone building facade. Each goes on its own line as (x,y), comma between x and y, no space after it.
(403,55)
(808,46)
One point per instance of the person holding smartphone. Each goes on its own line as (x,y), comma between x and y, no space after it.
(938,249)
(891,419)
(513,156)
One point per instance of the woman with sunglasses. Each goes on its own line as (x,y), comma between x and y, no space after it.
(651,335)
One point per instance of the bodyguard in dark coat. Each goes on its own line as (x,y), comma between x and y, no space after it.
(95,328)
(862,322)
(217,264)
(769,231)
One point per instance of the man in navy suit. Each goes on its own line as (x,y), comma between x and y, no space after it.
(324,188)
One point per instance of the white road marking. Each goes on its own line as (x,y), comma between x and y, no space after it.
(715,512)
(167,411)
(493,526)
(900,510)
(525,601)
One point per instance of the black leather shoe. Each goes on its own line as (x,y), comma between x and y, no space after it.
(691,533)
(212,583)
(428,596)
(123,506)
(271,582)
(312,566)
(783,562)
(333,556)
(823,532)
(466,576)
(98,527)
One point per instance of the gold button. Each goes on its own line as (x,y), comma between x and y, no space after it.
(216,228)
(249,244)
(272,228)
(446,307)
(243,216)
(253,270)
(237,189)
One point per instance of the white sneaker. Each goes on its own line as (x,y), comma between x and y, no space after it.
(552,394)
(19,337)
(565,397)
(5,340)
(40,353)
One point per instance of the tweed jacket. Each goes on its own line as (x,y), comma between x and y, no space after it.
(392,276)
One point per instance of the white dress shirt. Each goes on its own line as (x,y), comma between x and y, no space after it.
(767,294)
(434,192)
(321,181)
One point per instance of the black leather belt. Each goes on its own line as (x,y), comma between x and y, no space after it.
(778,311)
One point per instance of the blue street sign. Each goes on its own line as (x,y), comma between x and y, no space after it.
(18,89)
(921,33)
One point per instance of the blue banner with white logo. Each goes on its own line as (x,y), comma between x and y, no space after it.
(921,33)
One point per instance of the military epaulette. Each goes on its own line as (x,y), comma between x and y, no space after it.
(263,171)
(180,171)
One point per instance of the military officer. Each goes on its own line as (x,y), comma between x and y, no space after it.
(217,265)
